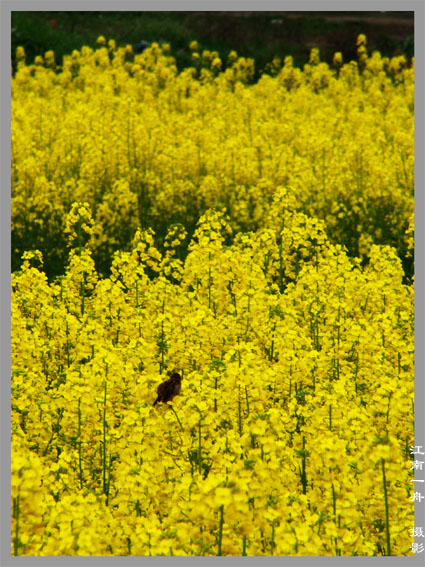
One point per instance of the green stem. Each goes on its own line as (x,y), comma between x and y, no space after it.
(80,461)
(334,509)
(239,412)
(83,294)
(68,360)
(162,347)
(104,440)
(388,409)
(209,281)
(16,514)
(303,471)
(108,483)
(199,447)
(387,525)
(272,542)
(175,413)
(220,532)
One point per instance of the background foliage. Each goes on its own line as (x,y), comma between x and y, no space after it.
(260,35)
(148,146)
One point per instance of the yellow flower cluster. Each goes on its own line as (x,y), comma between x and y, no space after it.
(147,146)
(248,236)
(292,432)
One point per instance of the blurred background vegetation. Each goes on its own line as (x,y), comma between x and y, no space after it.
(260,35)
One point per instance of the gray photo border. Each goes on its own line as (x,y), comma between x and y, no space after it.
(6,7)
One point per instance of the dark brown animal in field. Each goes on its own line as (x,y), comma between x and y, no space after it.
(168,389)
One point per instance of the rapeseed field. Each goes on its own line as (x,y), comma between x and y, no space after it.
(255,237)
